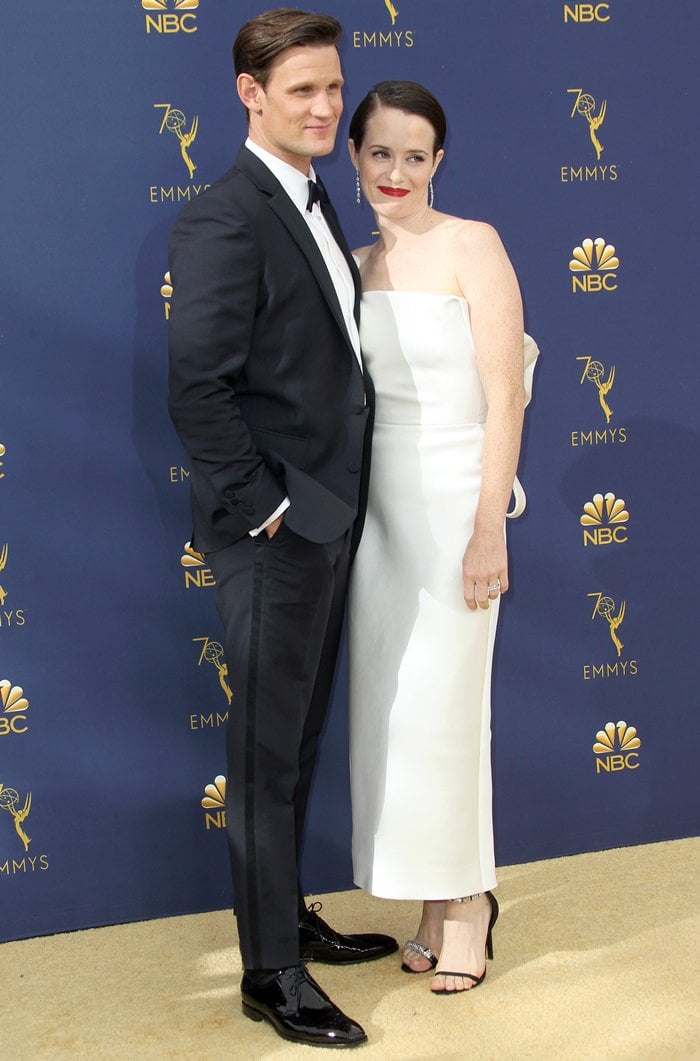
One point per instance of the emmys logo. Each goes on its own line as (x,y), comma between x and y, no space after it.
(592,264)
(14,705)
(166,291)
(585,107)
(586,13)
(3,565)
(175,122)
(212,652)
(603,380)
(607,517)
(9,801)
(393,38)
(616,748)
(3,451)
(178,474)
(168,17)
(196,572)
(15,616)
(393,13)
(215,800)
(593,372)
(605,608)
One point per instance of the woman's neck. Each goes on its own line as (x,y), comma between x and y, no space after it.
(406,229)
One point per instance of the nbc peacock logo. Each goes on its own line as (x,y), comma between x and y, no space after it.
(604,520)
(593,266)
(214,803)
(166,290)
(616,748)
(197,574)
(3,451)
(170,16)
(14,704)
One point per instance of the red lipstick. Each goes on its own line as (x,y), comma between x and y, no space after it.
(398,193)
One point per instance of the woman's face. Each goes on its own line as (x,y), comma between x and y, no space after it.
(396,161)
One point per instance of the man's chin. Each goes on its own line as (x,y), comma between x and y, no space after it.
(321,146)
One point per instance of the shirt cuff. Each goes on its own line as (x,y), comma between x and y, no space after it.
(271,519)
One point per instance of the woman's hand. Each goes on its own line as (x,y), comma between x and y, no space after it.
(484,569)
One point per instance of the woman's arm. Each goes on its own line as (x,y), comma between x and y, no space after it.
(488,282)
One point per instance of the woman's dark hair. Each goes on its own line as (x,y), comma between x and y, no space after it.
(266,36)
(406,96)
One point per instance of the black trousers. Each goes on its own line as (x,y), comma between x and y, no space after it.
(281,601)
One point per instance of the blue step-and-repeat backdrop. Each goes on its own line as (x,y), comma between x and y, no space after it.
(571,130)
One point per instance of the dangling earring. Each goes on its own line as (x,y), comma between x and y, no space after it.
(358,195)
(431,193)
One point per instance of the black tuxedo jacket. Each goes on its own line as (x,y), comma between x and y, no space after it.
(266,392)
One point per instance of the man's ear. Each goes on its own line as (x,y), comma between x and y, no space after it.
(250,92)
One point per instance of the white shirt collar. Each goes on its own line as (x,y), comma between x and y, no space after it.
(295,184)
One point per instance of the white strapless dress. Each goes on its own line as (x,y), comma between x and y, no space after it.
(420,661)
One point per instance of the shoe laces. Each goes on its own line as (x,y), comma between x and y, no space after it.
(300,975)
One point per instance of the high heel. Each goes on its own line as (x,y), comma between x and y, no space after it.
(476,980)
(492,921)
(424,952)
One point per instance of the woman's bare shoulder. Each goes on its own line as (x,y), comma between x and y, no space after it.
(471,234)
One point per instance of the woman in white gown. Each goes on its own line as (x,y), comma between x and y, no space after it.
(442,336)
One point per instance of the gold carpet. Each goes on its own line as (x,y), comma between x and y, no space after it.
(596,956)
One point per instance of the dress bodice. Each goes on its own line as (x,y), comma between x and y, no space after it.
(419,351)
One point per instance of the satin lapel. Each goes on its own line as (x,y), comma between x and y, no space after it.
(334,225)
(299,230)
(287,212)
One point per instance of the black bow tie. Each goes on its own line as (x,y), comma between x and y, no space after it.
(316,195)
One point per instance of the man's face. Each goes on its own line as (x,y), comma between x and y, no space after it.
(296,116)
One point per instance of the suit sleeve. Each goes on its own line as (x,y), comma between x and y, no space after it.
(215,270)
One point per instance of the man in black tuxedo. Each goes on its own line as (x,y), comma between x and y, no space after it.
(269,397)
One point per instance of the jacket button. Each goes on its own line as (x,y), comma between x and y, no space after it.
(248,510)
(230,493)
(354,466)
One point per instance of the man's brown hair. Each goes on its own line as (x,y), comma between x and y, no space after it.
(266,36)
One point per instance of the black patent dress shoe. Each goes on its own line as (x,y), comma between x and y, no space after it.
(318,942)
(299,1010)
